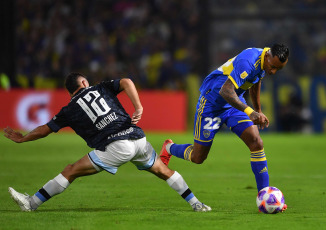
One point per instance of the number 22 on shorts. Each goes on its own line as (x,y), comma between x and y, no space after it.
(212,123)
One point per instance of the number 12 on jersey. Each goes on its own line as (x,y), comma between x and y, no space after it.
(96,102)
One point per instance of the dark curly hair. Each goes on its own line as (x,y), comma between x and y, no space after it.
(281,51)
(71,82)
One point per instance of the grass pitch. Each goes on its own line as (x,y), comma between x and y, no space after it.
(135,199)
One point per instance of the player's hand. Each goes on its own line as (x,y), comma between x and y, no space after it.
(259,119)
(13,135)
(136,116)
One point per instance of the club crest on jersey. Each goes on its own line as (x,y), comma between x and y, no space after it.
(206,133)
(243,75)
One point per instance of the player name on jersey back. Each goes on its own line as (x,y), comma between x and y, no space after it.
(106,120)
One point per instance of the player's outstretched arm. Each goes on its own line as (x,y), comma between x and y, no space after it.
(129,87)
(37,133)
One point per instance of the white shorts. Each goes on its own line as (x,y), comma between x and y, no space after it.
(139,152)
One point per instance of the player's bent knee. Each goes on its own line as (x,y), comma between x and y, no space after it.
(161,170)
(257,143)
(197,159)
(199,153)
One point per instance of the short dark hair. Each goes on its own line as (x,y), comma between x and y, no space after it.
(71,82)
(281,51)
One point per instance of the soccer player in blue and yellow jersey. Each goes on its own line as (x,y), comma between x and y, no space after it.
(221,101)
(97,116)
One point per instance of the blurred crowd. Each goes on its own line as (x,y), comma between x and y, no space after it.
(157,43)
(301,25)
(153,42)
(166,44)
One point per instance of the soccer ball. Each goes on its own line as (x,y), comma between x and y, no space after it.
(270,200)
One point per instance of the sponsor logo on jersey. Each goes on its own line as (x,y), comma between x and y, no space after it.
(122,133)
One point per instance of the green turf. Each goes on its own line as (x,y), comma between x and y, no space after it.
(135,199)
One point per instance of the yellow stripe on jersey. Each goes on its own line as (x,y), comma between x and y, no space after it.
(246,85)
(262,57)
(233,81)
(258,62)
(198,121)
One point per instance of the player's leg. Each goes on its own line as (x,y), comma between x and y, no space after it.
(83,167)
(57,185)
(207,124)
(147,159)
(248,132)
(252,139)
(196,153)
(178,184)
(245,129)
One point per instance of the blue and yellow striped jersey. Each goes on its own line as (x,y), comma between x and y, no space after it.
(244,70)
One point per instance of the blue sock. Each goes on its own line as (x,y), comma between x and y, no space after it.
(260,169)
(182,151)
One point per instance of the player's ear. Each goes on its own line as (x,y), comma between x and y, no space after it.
(84,83)
(267,54)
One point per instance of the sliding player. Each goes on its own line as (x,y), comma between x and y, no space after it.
(96,115)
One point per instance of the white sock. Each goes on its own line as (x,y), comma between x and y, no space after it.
(53,187)
(177,183)
(57,185)
(168,146)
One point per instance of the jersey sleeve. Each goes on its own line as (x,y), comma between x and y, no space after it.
(113,85)
(241,73)
(58,122)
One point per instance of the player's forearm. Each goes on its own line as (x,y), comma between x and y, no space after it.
(39,132)
(254,92)
(228,93)
(128,86)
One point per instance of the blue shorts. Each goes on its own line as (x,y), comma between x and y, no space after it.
(209,119)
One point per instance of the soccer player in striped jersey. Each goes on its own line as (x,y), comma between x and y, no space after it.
(221,101)
(97,116)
